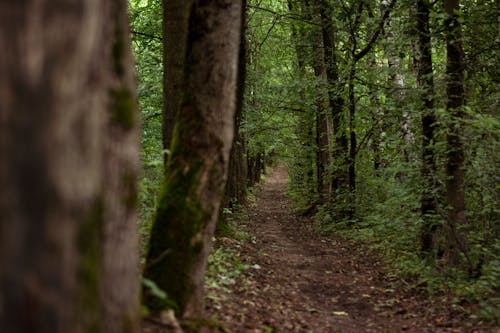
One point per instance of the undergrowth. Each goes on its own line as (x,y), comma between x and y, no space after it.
(390,228)
(225,265)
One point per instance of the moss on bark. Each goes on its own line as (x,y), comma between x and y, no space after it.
(176,239)
(122,108)
(89,247)
(197,325)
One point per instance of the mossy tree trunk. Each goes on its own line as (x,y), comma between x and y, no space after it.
(197,168)
(64,110)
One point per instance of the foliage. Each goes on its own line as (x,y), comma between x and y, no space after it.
(145,16)
(279,115)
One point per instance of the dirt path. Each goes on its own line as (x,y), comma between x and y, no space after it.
(306,283)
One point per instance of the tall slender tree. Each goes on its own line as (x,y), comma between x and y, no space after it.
(455,174)
(425,83)
(340,149)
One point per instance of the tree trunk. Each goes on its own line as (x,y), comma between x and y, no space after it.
(237,178)
(175,29)
(197,168)
(425,83)
(352,143)
(339,181)
(397,84)
(66,104)
(120,257)
(455,177)
(322,112)
(306,160)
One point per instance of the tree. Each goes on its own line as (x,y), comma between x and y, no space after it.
(67,202)
(236,184)
(323,107)
(197,167)
(455,174)
(119,287)
(336,102)
(425,82)
(175,27)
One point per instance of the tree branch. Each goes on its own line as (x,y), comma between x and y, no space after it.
(138,33)
(358,56)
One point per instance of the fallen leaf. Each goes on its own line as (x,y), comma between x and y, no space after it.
(340,313)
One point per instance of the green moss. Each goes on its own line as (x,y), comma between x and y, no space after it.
(180,217)
(123,108)
(118,49)
(130,197)
(130,322)
(89,248)
(195,325)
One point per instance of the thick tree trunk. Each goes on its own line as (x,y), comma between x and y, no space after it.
(66,104)
(425,83)
(196,172)
(455,175)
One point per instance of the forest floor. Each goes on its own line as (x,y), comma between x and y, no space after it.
(298,281)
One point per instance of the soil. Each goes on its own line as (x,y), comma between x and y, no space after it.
(300,281)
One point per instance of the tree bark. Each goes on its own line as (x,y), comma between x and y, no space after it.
(425,84)
(64,109)
(340,152)
(323,111)
(397,83)
(175,28)
(237,174)
(120,256)
(307,159)
(455,176)
(197,168)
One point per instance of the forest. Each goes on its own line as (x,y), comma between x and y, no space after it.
(249,166)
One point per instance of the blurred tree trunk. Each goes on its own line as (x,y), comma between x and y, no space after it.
(66,107)
(197,168)
(455,175)
(120,256)
(425,83)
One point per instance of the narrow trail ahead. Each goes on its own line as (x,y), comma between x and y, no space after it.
(307,283)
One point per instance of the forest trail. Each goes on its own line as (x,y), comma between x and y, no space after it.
(302,282)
